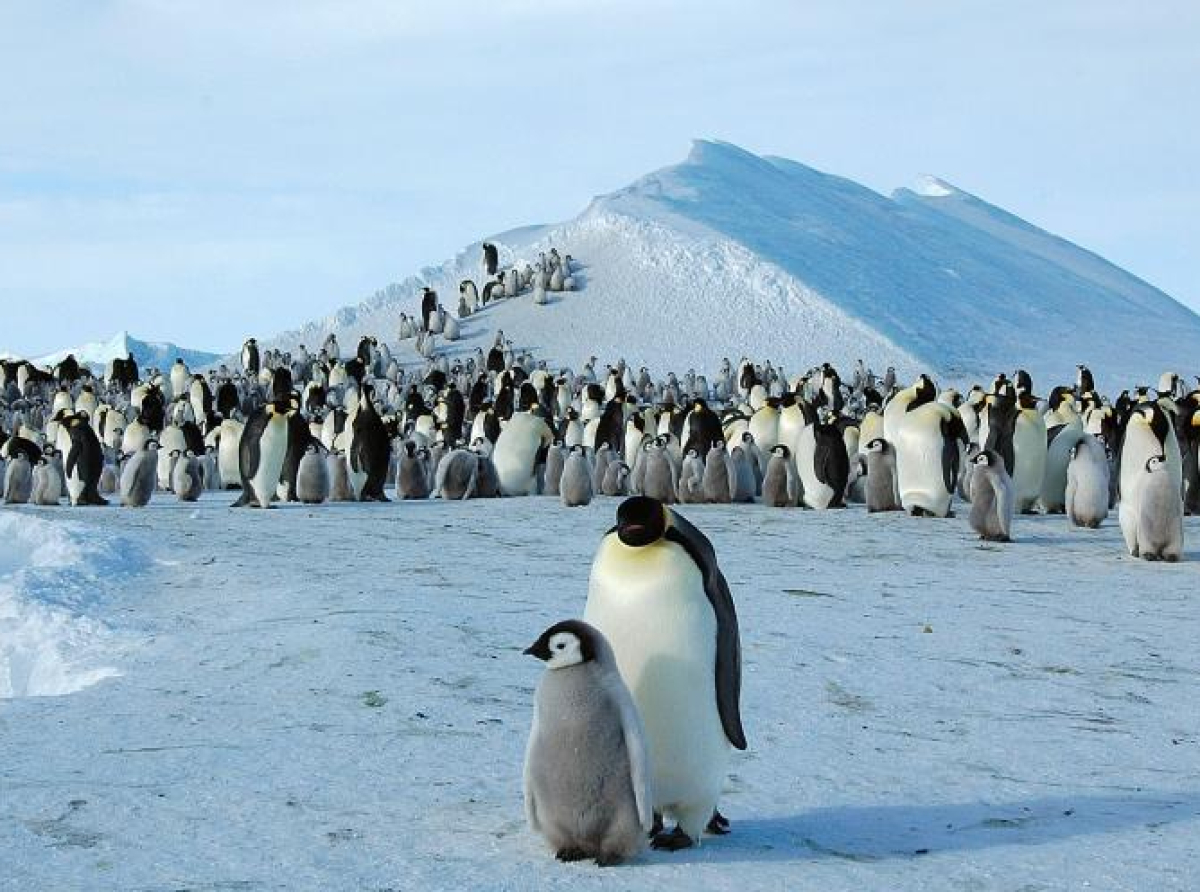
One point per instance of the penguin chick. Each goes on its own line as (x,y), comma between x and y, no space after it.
(312,476)
(587,786)
(576,486)
(881,477)
(991,498)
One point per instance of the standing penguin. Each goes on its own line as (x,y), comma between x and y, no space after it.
(1087,483)
(657,593)
(781,484)
(312,477)
(85,462)
(657,473)
(47,488)
(927,436)
(369,451)
(1159,514)
(518,449)
(719,476)
(261,453)
(455,477)
(1148,433)
(882,494)
(18,480)
(556,458)
(576,487)
(186,478)
(340,489)
(587,771)
(250,360)
(139,475)
(616,480)
(412,477)
(992,498)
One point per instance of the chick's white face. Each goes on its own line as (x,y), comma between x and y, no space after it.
(565,650)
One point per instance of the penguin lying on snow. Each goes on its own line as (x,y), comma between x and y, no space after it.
(587,780)
(657,593)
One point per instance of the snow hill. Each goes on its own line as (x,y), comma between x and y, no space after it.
(147,353)
(729,253)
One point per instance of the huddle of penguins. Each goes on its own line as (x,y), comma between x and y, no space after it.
(300,427)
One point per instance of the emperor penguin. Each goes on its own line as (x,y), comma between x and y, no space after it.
(719,476)
(744,483)
(927,436)
(781,483)
(228,451)
(658,474)
(47,488)
(587,768)
(340,489)
(312,477)
(690,488)
(262,451)
(824,464)
(576,487)
(1087,492)
(412,479)
(18,480)
(186,478)
(1029,454)
(556,457)
(616,480)
(1159,513)
(658,595)
(518,451)
(992,498)
(84,463)
(882,494)
(250,358)
(369,450)
(1148,433)
(455,476)
(138,476)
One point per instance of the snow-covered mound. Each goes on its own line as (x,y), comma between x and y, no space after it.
(50,575)
(729,253)
(147,353)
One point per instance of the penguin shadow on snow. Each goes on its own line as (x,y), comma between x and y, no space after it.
(871,833)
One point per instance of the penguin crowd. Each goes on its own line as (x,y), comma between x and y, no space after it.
(321,427)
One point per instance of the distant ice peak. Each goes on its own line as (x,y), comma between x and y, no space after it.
(929,186)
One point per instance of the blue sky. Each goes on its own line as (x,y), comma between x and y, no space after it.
(200,171)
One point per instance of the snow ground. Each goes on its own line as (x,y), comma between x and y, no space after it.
(335,698)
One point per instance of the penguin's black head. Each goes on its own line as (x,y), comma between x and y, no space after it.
(641,521)
(564,644)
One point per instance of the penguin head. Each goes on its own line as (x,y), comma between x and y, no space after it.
(641,521)
(781,450)
(565,644)
(1155,463)
(879,445)
(986,458)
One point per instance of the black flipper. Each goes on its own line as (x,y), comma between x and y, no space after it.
(729,649)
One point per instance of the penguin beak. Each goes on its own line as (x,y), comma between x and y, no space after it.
(539,649)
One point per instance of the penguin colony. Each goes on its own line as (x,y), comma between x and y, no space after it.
(619,745)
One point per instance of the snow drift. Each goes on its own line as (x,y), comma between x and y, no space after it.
(160,355)
(50,573)
(729,253)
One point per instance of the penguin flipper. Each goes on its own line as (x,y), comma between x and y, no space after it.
(729,648)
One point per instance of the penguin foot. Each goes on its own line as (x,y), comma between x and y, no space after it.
(718,825)
(570,854)
(608,859)
(657,827)
(672,842)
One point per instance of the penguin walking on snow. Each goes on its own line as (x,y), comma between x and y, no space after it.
(587,772)
(658,595)
(262,450)
(370,450)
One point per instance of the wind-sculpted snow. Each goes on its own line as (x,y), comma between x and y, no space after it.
(729,254)
(119,346)
(335,698)
(52,579)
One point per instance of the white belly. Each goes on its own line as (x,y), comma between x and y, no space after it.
(650,604)
(272,449)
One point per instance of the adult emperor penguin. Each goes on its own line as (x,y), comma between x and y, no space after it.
(927,436)
(587,770)
(369,450)
(250,359)
(658,595)
(991,498)
(84,463)
(261,453)
(519,448)
(1148,434)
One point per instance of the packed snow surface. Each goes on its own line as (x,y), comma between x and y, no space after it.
(729,254)
(335,698)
